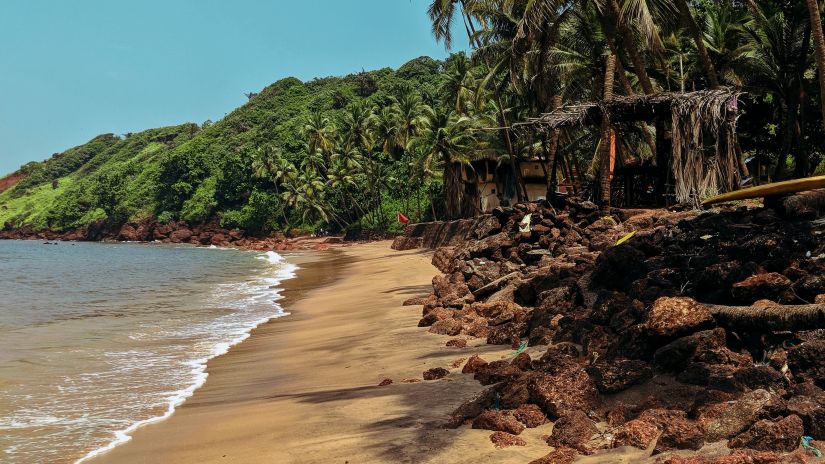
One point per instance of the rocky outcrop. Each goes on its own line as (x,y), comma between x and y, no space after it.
(649,336)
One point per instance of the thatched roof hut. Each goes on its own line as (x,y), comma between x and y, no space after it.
(703,133)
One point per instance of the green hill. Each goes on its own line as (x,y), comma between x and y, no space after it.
(196,173)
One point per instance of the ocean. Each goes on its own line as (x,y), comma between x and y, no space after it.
(98,339)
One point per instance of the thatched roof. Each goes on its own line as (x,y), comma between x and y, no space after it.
(710,104)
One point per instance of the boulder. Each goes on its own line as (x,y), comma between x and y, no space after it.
(456,343)
(738,416)
(636,433)
(680,434)
(449,327)
(770,286)
(557,456)
(672,317)
(495,372)
(473,364)
(812,412)
(385,382)
(505,440)
(522,361)
(530,415)
(180,236)
(498,420)
(618,375)
(808,360)
(472,407)
(569,390)
(435,373)
(766,435)
(507,334)
(573,430)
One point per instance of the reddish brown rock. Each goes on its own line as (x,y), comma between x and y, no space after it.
(435,373)
(498,420)
(568,391)
(738,416)
(573,430)
(507,334)
(637,433)
(449,327)
(457,363)
(505,440)
(672,317)
(680,434)
(530,415)
(385,382)
(457,343)
(180,235)
(473,364)
(522,361)
(433,314)
(770,286)
(557,456)
(472,407)
(766,435)
(496,371)
(618,375)
(807,360)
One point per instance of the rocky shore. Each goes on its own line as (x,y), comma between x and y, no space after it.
(697,336)
(149,230)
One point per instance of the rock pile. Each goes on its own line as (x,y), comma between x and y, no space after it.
(684,334)
(149,230)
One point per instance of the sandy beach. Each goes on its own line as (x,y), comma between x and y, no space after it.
(304,388)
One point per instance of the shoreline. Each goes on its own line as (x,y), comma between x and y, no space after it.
(200,367)
(304,388)
(290,281)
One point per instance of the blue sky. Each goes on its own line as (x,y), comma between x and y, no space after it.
(70,70)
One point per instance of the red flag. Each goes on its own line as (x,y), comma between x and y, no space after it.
(403,219)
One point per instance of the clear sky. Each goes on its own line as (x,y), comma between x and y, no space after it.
(70,70)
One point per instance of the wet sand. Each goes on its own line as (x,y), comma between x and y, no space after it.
(303,388)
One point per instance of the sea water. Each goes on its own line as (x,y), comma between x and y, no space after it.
(97,339)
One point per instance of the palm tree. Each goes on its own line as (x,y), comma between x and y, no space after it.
(689,22)
(356,127)
(447,145)
(319,134)
(411,117)
(819,41)
(385,125)
(606,143)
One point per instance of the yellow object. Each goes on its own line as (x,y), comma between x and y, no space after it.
(706,237)
(626,238)
(767,190)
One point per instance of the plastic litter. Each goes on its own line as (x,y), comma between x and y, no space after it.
(524,226)
(806,443)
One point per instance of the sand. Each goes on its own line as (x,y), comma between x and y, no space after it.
(303,388)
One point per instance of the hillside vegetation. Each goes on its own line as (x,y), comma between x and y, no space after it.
(226,170)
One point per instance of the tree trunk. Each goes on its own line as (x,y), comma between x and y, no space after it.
(606,136)
(696,34)
(819,42)
(629,43)
(453,190)
(552,151)
(772,318)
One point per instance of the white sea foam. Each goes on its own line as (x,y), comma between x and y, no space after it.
(262,290)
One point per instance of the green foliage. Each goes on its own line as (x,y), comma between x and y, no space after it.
(296,155)
(200,207)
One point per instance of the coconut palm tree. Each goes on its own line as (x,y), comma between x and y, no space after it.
(319,134)
(447,145)
(819,42)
